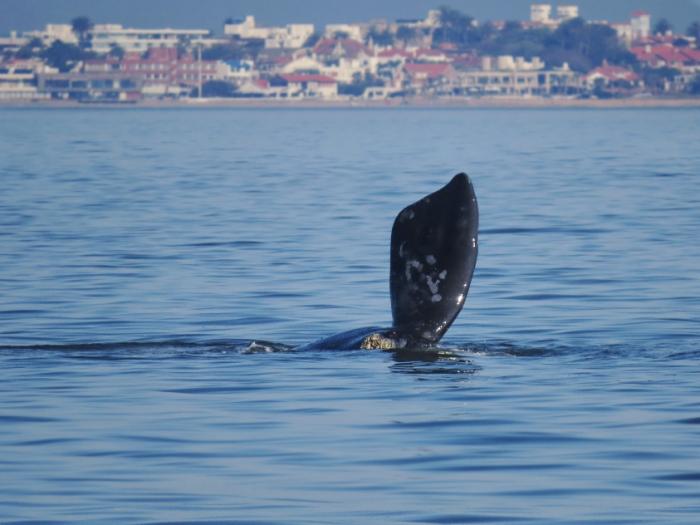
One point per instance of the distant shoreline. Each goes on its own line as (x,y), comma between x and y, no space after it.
(425,103)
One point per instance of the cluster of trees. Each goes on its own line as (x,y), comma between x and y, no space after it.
(61,55)
(580,44)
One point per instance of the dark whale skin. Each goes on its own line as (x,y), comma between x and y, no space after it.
(434,247)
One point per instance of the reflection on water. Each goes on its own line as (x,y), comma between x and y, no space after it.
(217,243)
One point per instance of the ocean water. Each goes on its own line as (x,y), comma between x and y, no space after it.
(158,267)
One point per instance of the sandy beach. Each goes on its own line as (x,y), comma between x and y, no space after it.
(456,103)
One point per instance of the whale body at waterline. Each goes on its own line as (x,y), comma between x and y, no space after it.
(434,246)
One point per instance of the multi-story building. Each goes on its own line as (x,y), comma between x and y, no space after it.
(54,32)
(541,13)
(13,42)
(509,76)
(18,79)
(641,25)
(291,36)
(613,79)
(107,36)
(567,12)
(354,31)
(91,87)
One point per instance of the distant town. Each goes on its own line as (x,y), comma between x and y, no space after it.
(554,54)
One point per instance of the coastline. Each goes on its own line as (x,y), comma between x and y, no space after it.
(418,103)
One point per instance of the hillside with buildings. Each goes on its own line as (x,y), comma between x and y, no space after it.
(555,53)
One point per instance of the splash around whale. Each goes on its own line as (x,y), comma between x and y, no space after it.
(434,246)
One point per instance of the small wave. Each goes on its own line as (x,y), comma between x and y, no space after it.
(164,349)
(551,229)
(451,356)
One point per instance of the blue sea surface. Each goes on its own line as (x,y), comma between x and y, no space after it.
(159,267)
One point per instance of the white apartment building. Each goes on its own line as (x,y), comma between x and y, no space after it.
(107,36)
(624,33)
(18,79)
(13,42)
(638,28)
(354,31)
(54,32)
(510,63)
(541,13)
(291,36)
(641,25)
(567,12)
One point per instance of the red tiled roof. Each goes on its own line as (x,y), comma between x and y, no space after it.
(393,52)
(319,79)
(614,73)
(636,14)
(282,60)
(428,70)
(448,46)
(692,54)
(162,53)
(429,53)
(466,61)
(351,48)
(656,55)
(261,83)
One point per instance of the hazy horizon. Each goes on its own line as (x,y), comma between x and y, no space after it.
(23,15)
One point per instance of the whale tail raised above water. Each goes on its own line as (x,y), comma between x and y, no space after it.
(434,246)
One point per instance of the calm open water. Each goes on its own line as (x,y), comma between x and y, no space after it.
(141,251)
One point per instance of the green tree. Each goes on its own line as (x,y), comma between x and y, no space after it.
(81,27)
(694,31)
(31,49)
(516,41)
(655,78)
(312,40)
(585,46)
(694,88)
(456,28)
(380,38)
(662,27)
(512,26)
(405,33)
(216,89)
(234,50)
(64,56)
(359,84)
(116,51)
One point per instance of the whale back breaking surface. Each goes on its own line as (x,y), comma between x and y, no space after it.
(434,246)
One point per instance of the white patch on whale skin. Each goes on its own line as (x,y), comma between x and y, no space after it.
(433,285)
(430,259)
(460,298)
(436,298)
(473,242)
(408,215)
(412,264)
(443,274)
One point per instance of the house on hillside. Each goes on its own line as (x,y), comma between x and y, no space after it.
(656,56)
(333,49)
(613,79)
(291,36)
(310,86)
(421,77)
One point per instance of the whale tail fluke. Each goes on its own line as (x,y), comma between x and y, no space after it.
(434,246)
